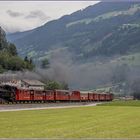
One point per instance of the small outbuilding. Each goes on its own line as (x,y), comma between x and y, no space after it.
(32,84)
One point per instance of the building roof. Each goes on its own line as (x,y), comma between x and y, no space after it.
(33,82)
(62,90)
(93,92)
(85,92)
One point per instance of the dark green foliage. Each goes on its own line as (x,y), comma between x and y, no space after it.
(26,59)
(52,85)
(8,56)
(1,69)
(45,63)
(3,41)
(14,63)
(30,61)
(12,49)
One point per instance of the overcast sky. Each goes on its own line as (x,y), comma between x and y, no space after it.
(25,15)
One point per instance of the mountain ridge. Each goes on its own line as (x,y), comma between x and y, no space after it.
(101,29)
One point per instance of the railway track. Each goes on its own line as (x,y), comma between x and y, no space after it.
(20,107)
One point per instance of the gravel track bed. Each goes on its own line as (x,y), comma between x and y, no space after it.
(18,107)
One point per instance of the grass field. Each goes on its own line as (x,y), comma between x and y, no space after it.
(133,103)
(83,122)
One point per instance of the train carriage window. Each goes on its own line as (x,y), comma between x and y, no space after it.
(48,93)
(31,92)
(71,93)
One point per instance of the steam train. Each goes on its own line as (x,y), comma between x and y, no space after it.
(11,94)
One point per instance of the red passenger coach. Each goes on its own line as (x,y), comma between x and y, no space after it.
(90,96)
(62,95)
(38,95)
(75,96)
(33,91)
(102,96)
(107,97)
(22,95)
(49,95)
(83,95)
(96,97)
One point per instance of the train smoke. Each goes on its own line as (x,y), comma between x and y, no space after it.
(78,75)
(84,75)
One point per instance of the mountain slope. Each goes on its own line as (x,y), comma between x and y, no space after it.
(104,29)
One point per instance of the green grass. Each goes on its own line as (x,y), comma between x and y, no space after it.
(84,122)
(132,103)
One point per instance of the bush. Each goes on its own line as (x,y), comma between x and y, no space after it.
(52,85)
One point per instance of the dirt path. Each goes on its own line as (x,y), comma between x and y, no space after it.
(20,107)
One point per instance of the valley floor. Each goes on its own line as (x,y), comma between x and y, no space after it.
(81,122)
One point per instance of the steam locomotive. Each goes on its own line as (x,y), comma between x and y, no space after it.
(12,94)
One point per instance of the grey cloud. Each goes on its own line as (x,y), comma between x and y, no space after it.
(37,14)
(13,13)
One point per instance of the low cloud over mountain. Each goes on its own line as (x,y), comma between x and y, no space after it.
(37,14)
(14,13)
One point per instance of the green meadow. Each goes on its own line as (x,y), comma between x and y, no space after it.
(83,122)
(134,103)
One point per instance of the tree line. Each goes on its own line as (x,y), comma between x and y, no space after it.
(9,59)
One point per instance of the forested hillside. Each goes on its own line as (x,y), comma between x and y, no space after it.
(9,59)
(104,29)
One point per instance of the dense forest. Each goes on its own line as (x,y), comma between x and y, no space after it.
(9,59)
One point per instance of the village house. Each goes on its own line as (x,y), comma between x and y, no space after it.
(26,84)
